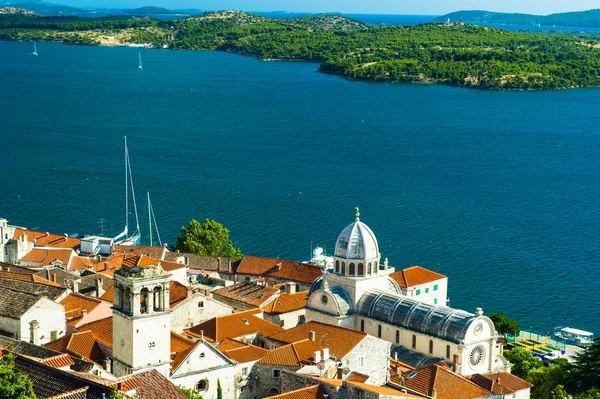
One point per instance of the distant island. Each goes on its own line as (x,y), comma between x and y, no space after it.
(149,10)
(455,54)
(581,19)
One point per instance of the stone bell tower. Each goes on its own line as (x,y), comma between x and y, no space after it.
(141,320)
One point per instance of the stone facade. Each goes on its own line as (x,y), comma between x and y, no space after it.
(196,310)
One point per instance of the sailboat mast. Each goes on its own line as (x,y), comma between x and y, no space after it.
(126,188)
(149,218)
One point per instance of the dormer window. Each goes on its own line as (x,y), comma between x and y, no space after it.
(245,321)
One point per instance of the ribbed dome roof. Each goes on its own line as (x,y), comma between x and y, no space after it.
(357,241)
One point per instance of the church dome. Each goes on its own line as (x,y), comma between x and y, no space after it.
(356,241)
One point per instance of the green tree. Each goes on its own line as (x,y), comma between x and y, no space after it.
(190,393)
(523,362)
(504,325)
(584,373)
(14,384)
(114,394)
(548,382)
(219,389)
(210,238)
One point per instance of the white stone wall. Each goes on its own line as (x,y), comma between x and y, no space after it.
(434,292)
(196,310)
(141,341)
(180,275)
(206,363)
(50,315)
(286,320)
(375,355)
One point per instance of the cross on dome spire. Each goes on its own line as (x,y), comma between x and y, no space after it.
(357,212)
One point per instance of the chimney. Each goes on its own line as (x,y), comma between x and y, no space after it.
(189,293)
(479,312)
(396,356)
(290,288)
(454,363)
(75,286)
(235,279)
(54,278)
(99,287)
(317,357)
(325,354)
(107,365)
(83,313)
(219,263)
(34,337)
(312,335)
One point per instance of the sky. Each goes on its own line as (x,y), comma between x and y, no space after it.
(422,7)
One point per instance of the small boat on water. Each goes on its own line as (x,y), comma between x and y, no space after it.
(140,64)
(573,336)
(124,238)
(34,50)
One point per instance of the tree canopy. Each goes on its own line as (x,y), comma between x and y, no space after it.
(504,325)
(14,384)
(209,238)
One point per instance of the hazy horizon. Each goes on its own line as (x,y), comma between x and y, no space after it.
(426,7)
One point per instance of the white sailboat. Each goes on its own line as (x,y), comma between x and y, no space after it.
(151,218)
(140,64)
(124,238)
(34,50)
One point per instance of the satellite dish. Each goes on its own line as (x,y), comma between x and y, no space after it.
(321,366)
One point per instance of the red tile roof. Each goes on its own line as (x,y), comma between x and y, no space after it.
(339,340)
(355,376)
(154,385)
(241,352)
(46,256)
(58,361)
(445,383)
(312,392)
(27,277)
(48,240)
(102,330)
(180,349)
(75,306)
(415,275)
(295,354)
(234,325)
(287,303)
(250,292)
(383,390)
(152,252)
(500,383)
(279,269)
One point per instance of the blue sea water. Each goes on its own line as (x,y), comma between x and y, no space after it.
(497,190)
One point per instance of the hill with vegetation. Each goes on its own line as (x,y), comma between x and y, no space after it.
(46,8)
(590,18)
(461,55)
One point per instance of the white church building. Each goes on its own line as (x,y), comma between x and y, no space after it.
(360,294)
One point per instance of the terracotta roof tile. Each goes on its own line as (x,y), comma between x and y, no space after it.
(46,257)
(102,330)
(109,295)
(295,354)
(312,392)
(58,361)
(339,340)
(500,383)
(33,278)
(242,353)
(383,390)
(415,275)
(446,384)
(84,344)
(249,292)
(287,303)
(357,377)
(154,385)
(235,325)
(75,306)
(280,269)
(48,240)
(138,250)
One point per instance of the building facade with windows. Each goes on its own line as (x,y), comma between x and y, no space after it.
(362,294)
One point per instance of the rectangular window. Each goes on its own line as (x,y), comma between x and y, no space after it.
(247,278)
(301,319)
(245,371)
(201,304)
(360,395)
(435,301)
(435,287)
(276,373)
(418,292)
(426,290)
(360,362)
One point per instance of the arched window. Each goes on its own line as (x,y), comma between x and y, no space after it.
(414,342)
(430,346)
(369,268)
(273,391)
(361,269)
(379,331)
(352,270)
(157,299)
(447,351)
(337,266)
(127,300)
(202,386)
(397,336)
(343,267)
(362,325)
(144,300)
